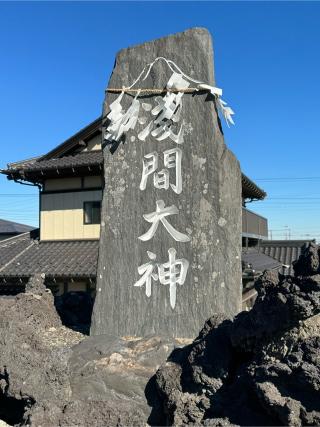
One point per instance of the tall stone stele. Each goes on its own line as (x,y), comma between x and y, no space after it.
(172,197)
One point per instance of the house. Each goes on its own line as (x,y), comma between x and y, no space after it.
(10,229)
(65,248)
(284,251)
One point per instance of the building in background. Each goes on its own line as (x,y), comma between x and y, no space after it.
(65,248)
(284,251)
(10,229)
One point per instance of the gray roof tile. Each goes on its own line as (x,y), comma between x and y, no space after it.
(260,261)
(10,227)
(284,251)
(24,256)
(87,158)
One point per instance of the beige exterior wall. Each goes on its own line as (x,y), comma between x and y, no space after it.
(77,286)
(73,183)
(62,184)
(92,181)
(94,143)
(61,216)
(73,286)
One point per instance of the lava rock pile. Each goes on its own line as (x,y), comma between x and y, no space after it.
(260,368)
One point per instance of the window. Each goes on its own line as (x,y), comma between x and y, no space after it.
(91,212)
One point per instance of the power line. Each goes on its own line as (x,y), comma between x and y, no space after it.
(18,195)
(291,198)
(297,178)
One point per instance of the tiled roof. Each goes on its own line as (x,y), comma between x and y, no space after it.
(284,251)
(22,256)
(250,190)
(88,158)
(60,158)
(9,227)
(259,261)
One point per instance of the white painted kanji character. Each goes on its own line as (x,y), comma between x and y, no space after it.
(161,179)
(120,121)
(150,165)
(159,216)
(147,273)
(172,273)
(168,111)
(172,159)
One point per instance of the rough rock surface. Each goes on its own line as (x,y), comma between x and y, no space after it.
(260,368)
(209,204)
(51,375)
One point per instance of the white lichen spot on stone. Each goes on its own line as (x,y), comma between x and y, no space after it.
(122,181)
(103,223)
(222,221)
(132,138)
(203,257)
(198,162)
(203,239)
(125,165)
(217,241)
(237,256)
(187,127)
(214,275)
(222,285)
(196,279)
(205,212)
(117,170)
(100,275)
(99,290)
(188,230)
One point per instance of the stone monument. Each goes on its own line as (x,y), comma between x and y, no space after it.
(170,242)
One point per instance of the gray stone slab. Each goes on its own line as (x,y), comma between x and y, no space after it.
(209,206)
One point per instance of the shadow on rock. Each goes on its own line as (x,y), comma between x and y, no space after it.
(259,368)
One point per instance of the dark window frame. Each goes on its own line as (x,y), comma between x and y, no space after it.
(94,205)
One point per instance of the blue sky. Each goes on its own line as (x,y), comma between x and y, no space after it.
(56,58)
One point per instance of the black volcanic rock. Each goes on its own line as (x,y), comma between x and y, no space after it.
(260,368)
(51,375)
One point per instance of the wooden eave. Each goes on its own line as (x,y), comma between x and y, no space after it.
(39,176)
(63,149)
(250,190)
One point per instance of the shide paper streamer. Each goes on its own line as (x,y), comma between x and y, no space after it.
(167,111)
(163,124)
